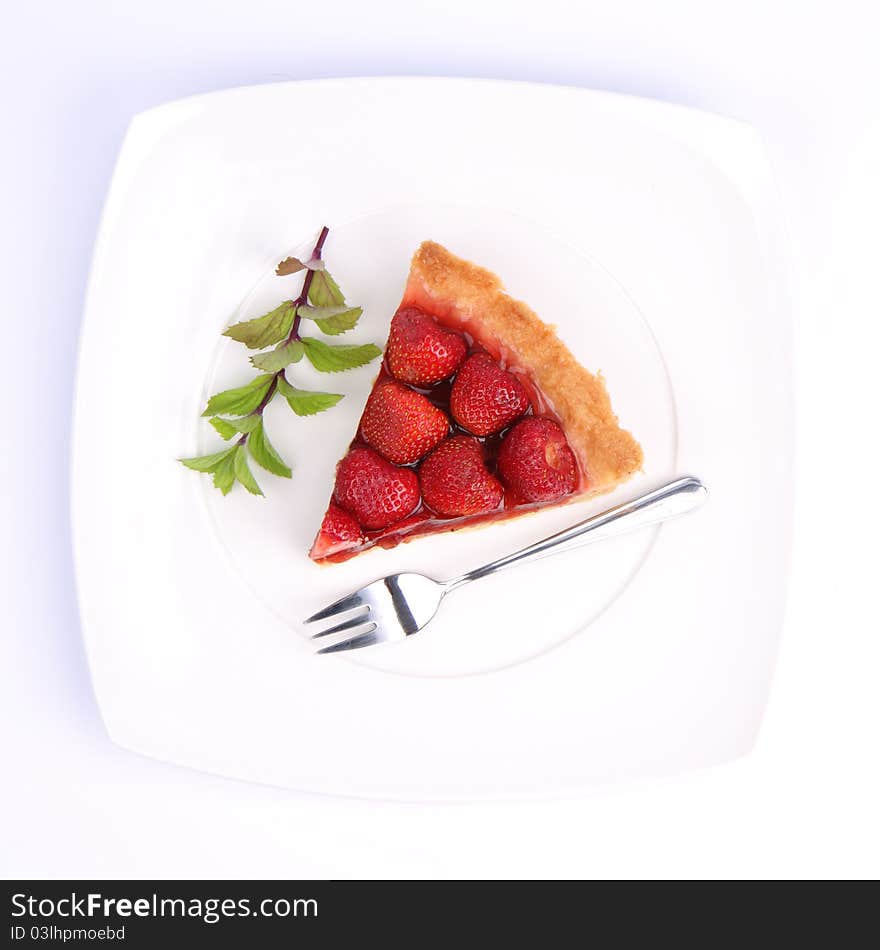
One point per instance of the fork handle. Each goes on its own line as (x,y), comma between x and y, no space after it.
(671,500)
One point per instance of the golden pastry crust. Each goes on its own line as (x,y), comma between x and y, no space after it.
(472,297)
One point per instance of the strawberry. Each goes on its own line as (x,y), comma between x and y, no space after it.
(420,351)
(486,398)
(338,530)
(455,480)
(536,462)
(402,424)
(376,492)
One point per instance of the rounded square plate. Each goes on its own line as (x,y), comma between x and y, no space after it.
(647,233)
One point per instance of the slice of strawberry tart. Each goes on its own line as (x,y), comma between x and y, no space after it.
(479,413)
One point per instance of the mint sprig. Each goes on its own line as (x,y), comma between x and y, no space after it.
(238,413)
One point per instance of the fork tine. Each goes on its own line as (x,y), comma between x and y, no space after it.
(358,620)
(349,602)
(365,639)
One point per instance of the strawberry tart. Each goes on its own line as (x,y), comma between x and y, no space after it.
(479,413)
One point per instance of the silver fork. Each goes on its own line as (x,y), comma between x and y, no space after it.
(397,606)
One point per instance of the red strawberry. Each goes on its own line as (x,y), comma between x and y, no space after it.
(455,480)
(402,424)
(535,461)
(376,492)
(338,530)
(485,398)
(420,351)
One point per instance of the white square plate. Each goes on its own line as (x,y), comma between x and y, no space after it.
(646,232)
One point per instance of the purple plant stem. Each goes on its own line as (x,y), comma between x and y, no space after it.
(294,330)
(303,298)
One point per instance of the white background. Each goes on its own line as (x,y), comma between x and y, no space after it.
(804,803)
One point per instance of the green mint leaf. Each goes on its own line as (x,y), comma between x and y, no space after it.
(206,463)
(324,291)
(292,265)
(333,358)
(264,454)
(263,331)
(336,325)
(240,401)
(224,474)
(304,402)
(281,356)
(245,424)
(321,313)
(243,472)
(332,320)
(229,427)
(225,428)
